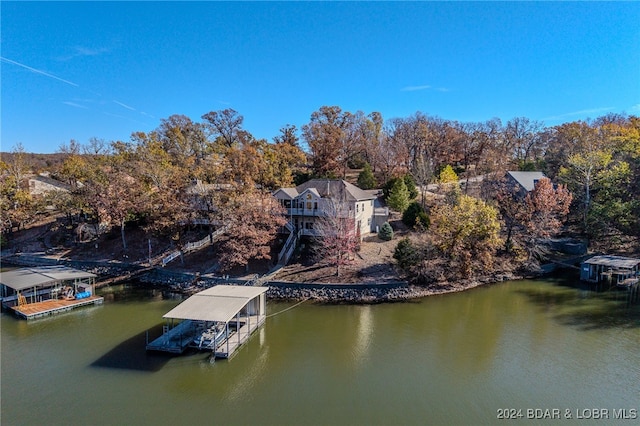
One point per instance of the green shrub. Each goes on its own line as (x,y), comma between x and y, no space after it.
(405,254)
(415,214)
(386,232)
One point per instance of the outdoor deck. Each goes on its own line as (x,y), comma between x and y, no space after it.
(51,307)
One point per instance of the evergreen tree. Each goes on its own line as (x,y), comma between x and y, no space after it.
(447,175)
(399,196)
(405,254)
(410,182)
(386,232)
(366,179)
(414,214)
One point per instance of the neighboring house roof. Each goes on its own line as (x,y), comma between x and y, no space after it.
(40,184)
(526,179)
(332,188)
(613,261)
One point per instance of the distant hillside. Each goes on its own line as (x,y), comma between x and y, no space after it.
(37,162)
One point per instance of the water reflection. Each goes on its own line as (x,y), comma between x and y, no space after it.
(590,310)
(363,334)
(451,359)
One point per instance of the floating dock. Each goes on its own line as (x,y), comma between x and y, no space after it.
(219,319)
(52,307)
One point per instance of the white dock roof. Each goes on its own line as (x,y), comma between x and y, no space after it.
(19,279)
(220,303)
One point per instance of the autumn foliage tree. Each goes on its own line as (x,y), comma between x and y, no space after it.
(336,237)
(467,232)
(251,219)
(544,212)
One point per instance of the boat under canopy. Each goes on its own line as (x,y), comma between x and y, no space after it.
(219,319)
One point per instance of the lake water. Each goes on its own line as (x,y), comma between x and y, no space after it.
(452,359)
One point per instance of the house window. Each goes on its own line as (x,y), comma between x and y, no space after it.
(309,205)
(315,205)
(287,203)
(357,208)
(308,225)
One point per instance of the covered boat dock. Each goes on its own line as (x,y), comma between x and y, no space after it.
(46,290)
(612,269)
(219,319)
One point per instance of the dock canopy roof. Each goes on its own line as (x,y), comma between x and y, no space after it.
(19,279)
(220,303)
(613,261)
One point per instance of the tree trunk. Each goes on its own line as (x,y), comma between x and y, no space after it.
(124,242)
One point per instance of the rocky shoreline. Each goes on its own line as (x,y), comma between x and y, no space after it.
(372,294)
(190,283)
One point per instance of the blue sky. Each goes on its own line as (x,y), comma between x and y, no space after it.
(76,70)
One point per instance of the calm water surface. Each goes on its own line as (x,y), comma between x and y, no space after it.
(453,359)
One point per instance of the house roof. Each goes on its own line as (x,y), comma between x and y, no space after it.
(613,261)
(335,188)
(290,192)
(19,279)
(526,179)
(220,303)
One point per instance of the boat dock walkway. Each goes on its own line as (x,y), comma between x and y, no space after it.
(51,307)
(194,334)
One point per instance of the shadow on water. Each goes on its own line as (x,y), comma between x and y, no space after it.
(136,291)
(131,354)
(578,304)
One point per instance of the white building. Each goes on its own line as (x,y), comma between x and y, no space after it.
(308,202)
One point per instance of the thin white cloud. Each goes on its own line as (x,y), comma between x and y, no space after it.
(635,108)
(37,71)
(146,114)
(415,88)
(82,51)
(75,105)
(581,112)
(442,89)
(87,51)
(124,105)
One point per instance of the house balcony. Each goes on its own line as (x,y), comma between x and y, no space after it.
(303,212)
